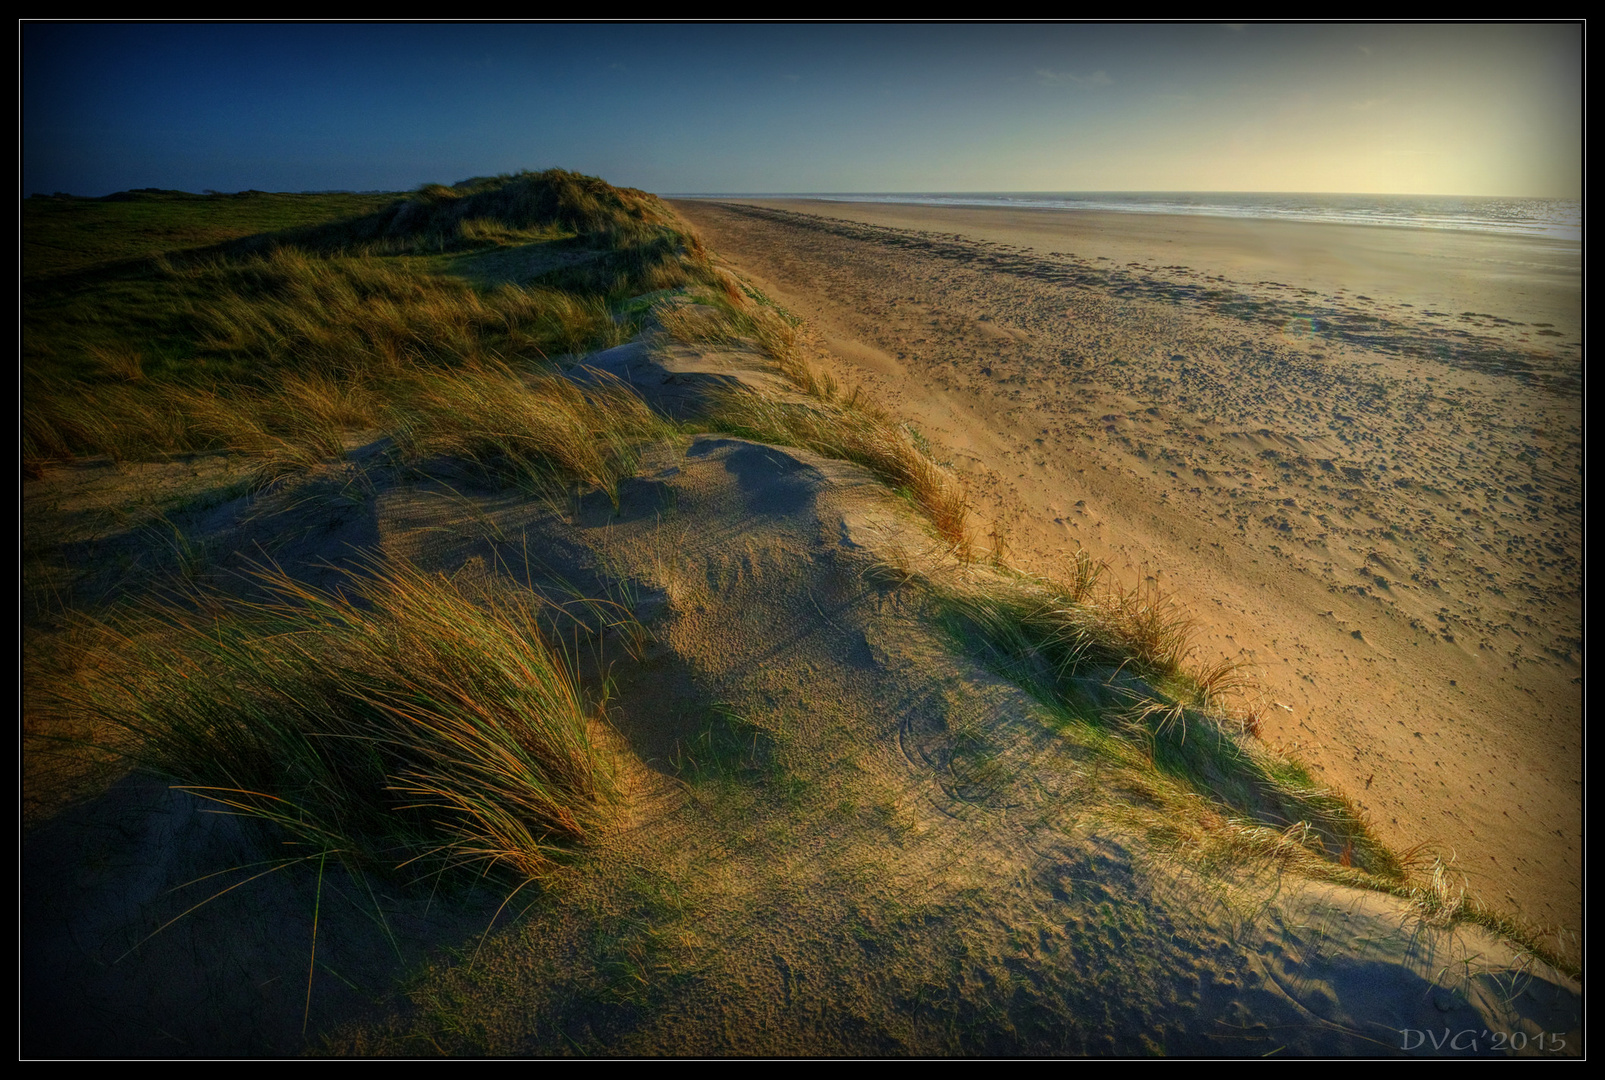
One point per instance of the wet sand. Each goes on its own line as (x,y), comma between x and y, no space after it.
(1354,453)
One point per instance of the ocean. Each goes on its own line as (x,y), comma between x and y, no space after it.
(1557,219)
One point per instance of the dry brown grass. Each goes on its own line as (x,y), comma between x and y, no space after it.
(846,428)
(118,361)
(864,438)
(283,431)
(400,723)
(1086,620)
(291,309)
(544,430)
(732,314)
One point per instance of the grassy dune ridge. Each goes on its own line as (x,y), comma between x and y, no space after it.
(187,352)
(416,726)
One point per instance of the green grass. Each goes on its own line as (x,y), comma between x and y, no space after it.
(726,746)
(276,343)
(1114,666)
(68,235)
(400,726)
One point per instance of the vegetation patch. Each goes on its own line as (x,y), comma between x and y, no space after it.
(405,726)
(726,746)
(541,430)
(1113,664)
(274,344)
(844,427)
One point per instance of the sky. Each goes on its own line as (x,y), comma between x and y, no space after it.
(1446,109)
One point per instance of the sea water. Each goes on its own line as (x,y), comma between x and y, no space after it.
(1559,219)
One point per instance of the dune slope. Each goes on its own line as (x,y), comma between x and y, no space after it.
(862,786)
(1375,502)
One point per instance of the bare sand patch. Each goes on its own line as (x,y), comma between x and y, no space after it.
(1513,285)
(1334,443)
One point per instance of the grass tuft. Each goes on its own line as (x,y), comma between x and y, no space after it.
(1113,663)
(852,434)
(403,725)
(848,429)
(543,430)
(1050,630)
(730,313)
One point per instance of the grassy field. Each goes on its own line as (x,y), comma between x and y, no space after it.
(416,726)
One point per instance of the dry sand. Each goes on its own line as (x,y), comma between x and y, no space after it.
(895,853)
(1354,453)
(905,859)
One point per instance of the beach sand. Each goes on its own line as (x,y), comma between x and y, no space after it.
(1353,453)
(836,833)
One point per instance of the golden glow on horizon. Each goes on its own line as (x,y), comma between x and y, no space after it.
(1445,109)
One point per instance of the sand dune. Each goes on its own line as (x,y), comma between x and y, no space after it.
(1354,452)
(843,826)
(905,860)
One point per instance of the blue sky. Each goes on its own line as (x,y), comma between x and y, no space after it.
(1481,109)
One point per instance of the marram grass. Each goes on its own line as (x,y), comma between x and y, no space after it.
(543,430)
(839,430)
(400,726)
(846,428)
(1115,665)
(202,350)
(405,725)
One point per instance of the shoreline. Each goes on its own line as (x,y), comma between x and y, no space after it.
(1538,279)
(1381,515)
(1172,211)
